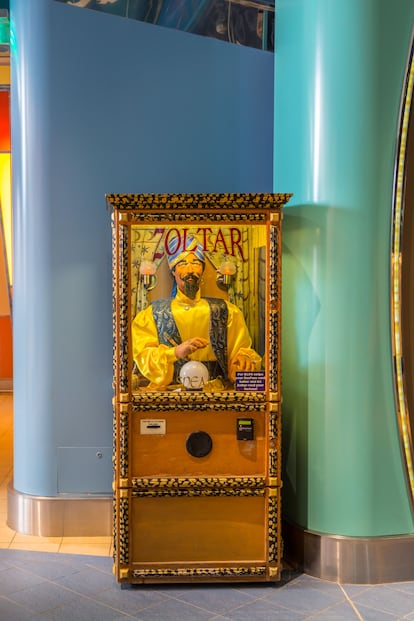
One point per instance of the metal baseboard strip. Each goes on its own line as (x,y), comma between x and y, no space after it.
(45,516)
(349,560)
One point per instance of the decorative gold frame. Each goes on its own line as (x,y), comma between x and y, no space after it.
(128,210)
(400,380)
(203,208)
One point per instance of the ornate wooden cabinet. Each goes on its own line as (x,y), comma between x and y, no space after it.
(196,281)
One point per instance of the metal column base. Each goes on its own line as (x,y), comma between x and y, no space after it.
(350,560)
(59,517)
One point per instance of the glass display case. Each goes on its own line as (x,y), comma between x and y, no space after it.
(196,294)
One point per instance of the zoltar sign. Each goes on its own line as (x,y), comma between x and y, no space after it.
(227,241)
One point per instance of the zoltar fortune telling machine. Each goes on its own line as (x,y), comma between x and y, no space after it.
(196,292)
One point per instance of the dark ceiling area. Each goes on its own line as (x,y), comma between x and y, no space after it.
(242,22)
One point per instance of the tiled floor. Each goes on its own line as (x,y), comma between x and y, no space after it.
(70,579)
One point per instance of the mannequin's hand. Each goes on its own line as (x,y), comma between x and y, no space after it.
(189,347)
(241,363)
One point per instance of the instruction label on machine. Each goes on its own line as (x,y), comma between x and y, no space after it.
(153,426)
(252,381)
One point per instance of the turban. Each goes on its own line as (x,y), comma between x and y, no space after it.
(177,252)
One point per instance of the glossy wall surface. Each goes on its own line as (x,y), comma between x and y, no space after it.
(103,104)
(339,75)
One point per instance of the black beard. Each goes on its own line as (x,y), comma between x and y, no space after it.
(191,285)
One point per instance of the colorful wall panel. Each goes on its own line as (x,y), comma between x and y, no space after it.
(6,355)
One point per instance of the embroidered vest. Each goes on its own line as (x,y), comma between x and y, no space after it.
(169,335)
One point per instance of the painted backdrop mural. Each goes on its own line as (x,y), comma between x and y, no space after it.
(197,295)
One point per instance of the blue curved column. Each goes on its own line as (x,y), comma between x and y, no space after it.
(34,420)
(339,75)
(88,119)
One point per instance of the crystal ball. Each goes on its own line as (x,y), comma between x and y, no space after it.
(193,375)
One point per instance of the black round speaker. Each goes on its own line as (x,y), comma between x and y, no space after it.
(199,444)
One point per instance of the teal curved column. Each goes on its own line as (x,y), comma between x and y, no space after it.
(340,67)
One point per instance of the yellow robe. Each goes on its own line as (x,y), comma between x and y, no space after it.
(192,317)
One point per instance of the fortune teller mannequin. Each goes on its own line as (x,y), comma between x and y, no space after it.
(170,332)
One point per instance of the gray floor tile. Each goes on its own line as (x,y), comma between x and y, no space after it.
(262,589)
(263,610)
(386,599)
(43,597)
(352,590)
(214,598)
(174,610)
(370,614)
(339,612)
(15,579)
(85,609)
(101,563)
(306,596)
(10,611)
(402,587)
(87,581)
(50,568)
(315,583)
(132,600)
